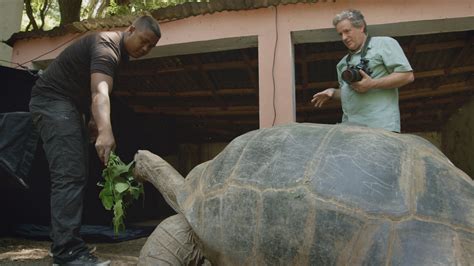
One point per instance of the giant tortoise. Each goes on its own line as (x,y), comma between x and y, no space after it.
(311,194)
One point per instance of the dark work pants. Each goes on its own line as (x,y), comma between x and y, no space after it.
(65,142)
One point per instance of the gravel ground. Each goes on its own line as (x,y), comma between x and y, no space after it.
(18,251)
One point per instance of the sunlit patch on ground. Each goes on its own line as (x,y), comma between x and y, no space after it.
(24,254)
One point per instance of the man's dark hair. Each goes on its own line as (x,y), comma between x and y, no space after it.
(147,23)
(354,16)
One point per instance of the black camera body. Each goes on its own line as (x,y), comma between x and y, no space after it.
(352,74)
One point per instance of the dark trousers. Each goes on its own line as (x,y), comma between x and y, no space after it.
(65,142)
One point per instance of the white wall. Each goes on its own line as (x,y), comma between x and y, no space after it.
(10,22)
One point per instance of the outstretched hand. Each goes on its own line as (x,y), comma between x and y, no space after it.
(321,97)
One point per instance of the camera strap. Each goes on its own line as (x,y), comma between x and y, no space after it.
(364,51)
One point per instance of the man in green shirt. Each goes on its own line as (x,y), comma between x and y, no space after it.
(372,100)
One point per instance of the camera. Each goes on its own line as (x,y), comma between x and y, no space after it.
(352,74)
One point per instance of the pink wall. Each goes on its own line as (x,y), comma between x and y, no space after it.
(274,26)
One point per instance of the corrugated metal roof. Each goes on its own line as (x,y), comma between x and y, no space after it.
(163,14)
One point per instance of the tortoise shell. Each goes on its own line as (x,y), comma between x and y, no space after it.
(330,194)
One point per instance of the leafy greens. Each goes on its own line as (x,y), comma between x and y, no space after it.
(119,189)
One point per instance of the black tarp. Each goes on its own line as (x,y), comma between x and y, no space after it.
(18,142)
(18,139)
(31,206)
(15,89)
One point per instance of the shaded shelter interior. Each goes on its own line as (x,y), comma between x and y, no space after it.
(185,108)
(210,97)
(214,96)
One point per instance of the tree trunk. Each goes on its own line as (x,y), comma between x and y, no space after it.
(70,11)
(91,8)
(29,13)
(101,10)
(43,11)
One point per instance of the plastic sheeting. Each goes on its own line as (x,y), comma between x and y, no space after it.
(18,139)
(18,142)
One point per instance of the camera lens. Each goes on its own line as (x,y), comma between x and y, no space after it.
(351,75)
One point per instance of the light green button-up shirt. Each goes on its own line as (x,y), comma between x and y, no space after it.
(377,108)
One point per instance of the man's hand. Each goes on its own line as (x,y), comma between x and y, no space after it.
(105,144)
(364,85)
(321,97)
(394,80)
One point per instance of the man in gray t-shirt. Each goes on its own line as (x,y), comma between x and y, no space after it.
(369,99)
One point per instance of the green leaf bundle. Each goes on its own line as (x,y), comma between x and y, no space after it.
(119,189)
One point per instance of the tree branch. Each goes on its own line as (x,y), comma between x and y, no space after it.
(29,13)
(43,12)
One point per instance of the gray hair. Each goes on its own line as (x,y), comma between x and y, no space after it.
(354,16)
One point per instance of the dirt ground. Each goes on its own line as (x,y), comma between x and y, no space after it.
(18,251)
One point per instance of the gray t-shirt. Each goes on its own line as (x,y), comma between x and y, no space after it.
(69,75)
(377,108)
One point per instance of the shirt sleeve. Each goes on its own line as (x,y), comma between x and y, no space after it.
(104,57)
(393,56)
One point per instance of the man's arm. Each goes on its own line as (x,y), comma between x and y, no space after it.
(321,97)
(101,86)
(394,80)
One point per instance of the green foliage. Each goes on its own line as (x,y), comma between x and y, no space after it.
(136,6)
(46,14)
(119,189)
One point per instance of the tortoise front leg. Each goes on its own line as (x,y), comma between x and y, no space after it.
(172,243)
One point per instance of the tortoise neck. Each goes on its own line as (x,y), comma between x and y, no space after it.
(163,176)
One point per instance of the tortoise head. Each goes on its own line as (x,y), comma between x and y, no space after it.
(152,168)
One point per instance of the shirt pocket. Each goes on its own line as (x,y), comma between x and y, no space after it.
(374,60)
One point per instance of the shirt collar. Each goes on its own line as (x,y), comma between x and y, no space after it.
(361,47)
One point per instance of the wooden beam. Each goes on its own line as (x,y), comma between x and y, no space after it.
(250,91)
(462,54)
(411,49)
(440,46)
(200,93)
(219,121)
(209,83)
(464,86)
(426,93)
(444,90)
(444,72)
(252,76)
(427,119)
(334,55)
(206,111)
(206,66)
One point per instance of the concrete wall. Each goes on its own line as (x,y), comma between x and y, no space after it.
(458,138)
(274,30)
(10,22)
